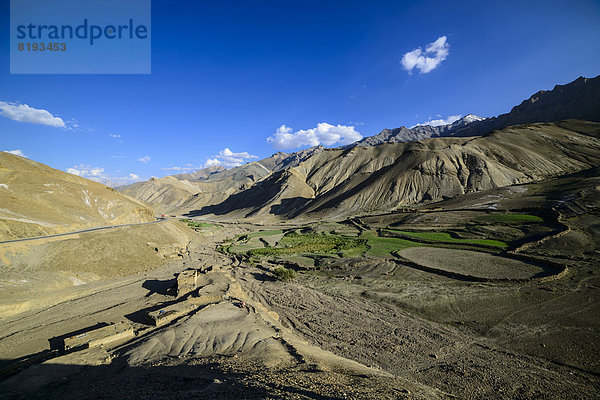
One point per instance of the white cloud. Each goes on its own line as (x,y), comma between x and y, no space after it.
(428,60)
(187,168)
(145,159)
(97,174)
(439,122)
(16,153)
(24,113)
(121,180)
(74,125)
(181,169)
(174,169)
(86,171)
(229,159)
(114,135)
(324,134)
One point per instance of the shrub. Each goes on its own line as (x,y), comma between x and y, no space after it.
(295,243)
(284,274)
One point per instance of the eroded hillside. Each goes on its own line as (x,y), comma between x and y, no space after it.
(379,178)
(38,200)
(181,193)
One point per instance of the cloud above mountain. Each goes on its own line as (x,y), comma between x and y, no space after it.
(97,174)
(24,113)
(187,168)
(17,152)
(440,121)
(426,60)
(229,159)
(325,134)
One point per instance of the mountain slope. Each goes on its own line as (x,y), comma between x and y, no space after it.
(174,194)
(38,200)
(419,132)
(166,192)
(200,175)
(579,99)
(368,178)
(224,191)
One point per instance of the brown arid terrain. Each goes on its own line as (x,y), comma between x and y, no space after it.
(354,322)
(39,273)
(38,200)
(183,192)
(448,267)
(337,183)
(41,202)
(361,177)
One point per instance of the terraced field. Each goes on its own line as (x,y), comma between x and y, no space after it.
(445,237)
(382,247)
(310,243)
(463,254)
(512,218)
(195,224)
(473,263)
(303,244)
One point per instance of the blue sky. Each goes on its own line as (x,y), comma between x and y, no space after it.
(229,75)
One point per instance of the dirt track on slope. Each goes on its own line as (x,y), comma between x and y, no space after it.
(382,336)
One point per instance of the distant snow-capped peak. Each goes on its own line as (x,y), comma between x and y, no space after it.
(451,121)
(467,119)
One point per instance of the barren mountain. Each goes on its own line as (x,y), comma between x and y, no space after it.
(201,174)
(163,193)
(419,132)
(39,200)
(174,193)
(352,178)
(367,178)
(171,192)
(579,99)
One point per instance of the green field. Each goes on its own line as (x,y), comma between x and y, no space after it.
(296,243)
(243,247)
(512,218)
(383,246)
(276,243)
(264,233)
(194,224)
(447,238)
